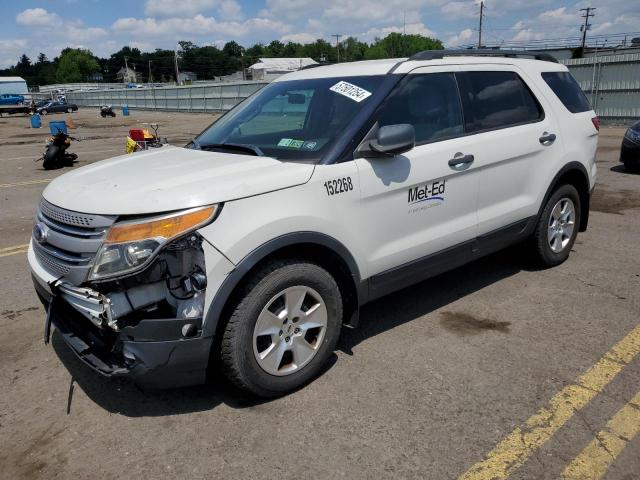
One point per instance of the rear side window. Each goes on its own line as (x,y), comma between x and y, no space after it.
(494,100)
(567,90)
(429,102)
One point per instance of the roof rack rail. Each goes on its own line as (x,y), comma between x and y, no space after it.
(313,65)
(482,52)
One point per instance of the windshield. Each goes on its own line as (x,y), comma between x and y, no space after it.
(296,120)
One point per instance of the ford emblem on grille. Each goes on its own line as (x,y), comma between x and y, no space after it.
(40,232)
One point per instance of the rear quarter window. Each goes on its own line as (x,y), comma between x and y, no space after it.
(567,90)
(496,99)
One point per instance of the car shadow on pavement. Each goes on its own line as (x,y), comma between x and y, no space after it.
(123,397)
(623,169)
(423,298)
(118,395)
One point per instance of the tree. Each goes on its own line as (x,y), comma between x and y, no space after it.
(23,67)
(275,48)
(232,49)
(42,59)
(399,45)
(75,65)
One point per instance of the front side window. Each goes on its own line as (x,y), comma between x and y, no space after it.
(567,90)
(496,99)
(297,119)
(429,102)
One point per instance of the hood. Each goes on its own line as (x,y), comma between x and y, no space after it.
(170,178)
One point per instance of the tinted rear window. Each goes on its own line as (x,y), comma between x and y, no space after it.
(567,90)
(496,100)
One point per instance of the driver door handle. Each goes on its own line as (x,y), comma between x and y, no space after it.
(547,138)
(460,161)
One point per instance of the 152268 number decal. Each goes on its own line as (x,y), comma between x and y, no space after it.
(338,185)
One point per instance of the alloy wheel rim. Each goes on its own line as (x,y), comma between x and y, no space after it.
(289,330)
(562,222)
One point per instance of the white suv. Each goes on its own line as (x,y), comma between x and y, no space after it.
(251,247)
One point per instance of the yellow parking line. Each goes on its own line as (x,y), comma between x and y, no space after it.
(21,184)
(592,463)
(518,446)
(5,252)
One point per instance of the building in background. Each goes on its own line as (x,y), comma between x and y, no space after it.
(270,68)
(186,77)
(15,85)
(128,75)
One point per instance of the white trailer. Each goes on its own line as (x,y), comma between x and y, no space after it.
(15,85)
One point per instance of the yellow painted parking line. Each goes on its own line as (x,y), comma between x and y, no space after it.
(518,446)
(592,463)
(5,252)
(22,184)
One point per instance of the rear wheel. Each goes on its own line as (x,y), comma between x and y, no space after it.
(284,328)
(69,110)
(43,112)
(557,227)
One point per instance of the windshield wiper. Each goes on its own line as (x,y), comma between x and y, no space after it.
(241,147)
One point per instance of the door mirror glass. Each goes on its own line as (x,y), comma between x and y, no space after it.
(393,140)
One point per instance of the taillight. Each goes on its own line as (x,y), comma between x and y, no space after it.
(596,122)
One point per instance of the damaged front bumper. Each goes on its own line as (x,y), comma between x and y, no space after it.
(155,352)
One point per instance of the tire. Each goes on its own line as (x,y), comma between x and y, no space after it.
(51,158)
(113,114)
(267,365)
(630,166)
(557,227)
(43,112)
(69,110)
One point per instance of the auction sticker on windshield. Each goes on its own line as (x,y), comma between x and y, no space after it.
(351,91)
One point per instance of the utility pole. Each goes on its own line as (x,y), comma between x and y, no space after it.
(480,28)
(126,71)
(149,78)
(337,35)
(587,13)
(175,59)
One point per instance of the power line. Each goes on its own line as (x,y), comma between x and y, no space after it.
(480,28)
(337,35)
(586,25)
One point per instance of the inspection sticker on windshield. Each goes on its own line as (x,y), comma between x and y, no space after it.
(349,90)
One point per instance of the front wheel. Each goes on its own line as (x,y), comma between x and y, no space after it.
(630,166)
(557,227)
(43,112)
(284,328)
(69,110)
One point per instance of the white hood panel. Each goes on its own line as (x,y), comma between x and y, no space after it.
(170,178)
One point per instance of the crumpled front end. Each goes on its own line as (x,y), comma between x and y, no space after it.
(147,325)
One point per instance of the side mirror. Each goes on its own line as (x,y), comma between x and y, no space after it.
(393,140)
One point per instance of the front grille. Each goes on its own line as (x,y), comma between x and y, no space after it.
(65,216)
(50,264)
(71,242)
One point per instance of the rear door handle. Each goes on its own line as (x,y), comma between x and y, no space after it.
(460,161)
(547,138)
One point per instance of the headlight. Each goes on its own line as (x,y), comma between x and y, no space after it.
(633,135)
(131,244)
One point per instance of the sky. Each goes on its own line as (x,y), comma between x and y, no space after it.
(104,26)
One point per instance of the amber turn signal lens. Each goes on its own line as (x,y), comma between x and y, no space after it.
(167,227)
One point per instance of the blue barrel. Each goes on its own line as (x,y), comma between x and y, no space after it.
(35,121)
(57,126)
(125,110)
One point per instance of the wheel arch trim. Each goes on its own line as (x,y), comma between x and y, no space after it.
(229,285)
(584,196)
